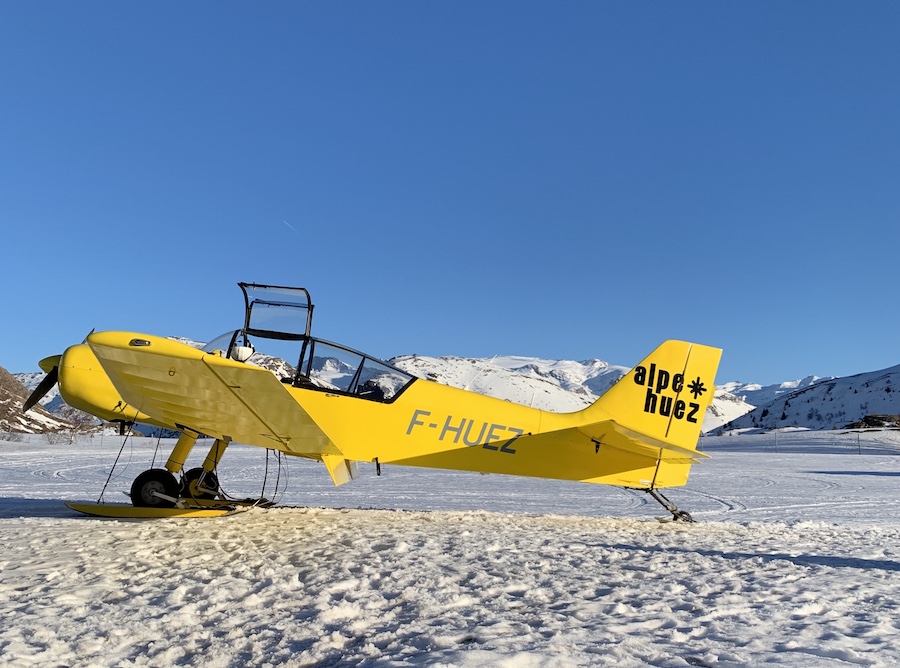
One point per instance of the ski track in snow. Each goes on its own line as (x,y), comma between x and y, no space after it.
(794,561)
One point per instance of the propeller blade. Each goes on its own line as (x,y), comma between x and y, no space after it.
(45,386)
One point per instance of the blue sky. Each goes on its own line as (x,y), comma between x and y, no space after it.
(562,180)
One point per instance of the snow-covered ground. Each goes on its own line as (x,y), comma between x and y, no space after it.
(794,561)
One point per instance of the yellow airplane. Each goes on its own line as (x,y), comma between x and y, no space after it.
(330,403)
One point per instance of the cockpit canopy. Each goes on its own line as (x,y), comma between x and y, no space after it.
(276,336)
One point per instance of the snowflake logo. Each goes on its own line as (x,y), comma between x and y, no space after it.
(697,387)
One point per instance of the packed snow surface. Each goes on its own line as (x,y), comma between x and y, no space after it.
(794,561)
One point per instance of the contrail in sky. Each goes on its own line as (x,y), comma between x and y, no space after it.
(291,226)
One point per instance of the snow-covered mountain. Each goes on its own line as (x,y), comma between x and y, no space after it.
(51,401)
(760,395)
(734,399)
(12,394)
(551,385)
(831,403)
(724,408)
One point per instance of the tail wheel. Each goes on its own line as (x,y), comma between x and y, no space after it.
(147,487)
(191,488)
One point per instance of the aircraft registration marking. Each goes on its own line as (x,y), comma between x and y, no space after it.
(489,435)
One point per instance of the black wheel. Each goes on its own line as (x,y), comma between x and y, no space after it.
(145,487)
(682,516)
(190,489)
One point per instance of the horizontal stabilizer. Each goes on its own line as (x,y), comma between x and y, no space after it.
(610,433)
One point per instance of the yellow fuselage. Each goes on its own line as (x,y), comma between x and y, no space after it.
(641,434)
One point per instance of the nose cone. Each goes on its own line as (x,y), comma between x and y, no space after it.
(84,385)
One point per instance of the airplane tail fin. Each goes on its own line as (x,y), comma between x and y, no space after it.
(658,406)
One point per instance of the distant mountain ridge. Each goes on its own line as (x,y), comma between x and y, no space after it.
(828,403)
(553,385)
(565,385)
(760,395)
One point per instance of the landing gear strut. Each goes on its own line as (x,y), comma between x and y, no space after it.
(677,515)
(159,488)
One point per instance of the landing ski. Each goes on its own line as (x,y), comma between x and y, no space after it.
(128,511)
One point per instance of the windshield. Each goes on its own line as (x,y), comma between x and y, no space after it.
(276,355)
(222,343)
(333,367)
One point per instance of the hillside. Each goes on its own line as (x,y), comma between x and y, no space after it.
(559,386)
(760,395)
(832,403)
(37,420)
(724,408)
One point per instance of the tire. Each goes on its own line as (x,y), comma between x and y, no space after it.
(191,490)
(148,483)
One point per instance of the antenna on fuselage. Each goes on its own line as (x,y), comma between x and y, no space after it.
(487,363)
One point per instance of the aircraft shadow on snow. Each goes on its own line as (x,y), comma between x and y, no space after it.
(883,474)
(12,507)
(798,559)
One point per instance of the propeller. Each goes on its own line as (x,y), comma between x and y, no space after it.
(51,366)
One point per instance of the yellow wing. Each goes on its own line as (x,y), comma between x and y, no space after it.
(209,394)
